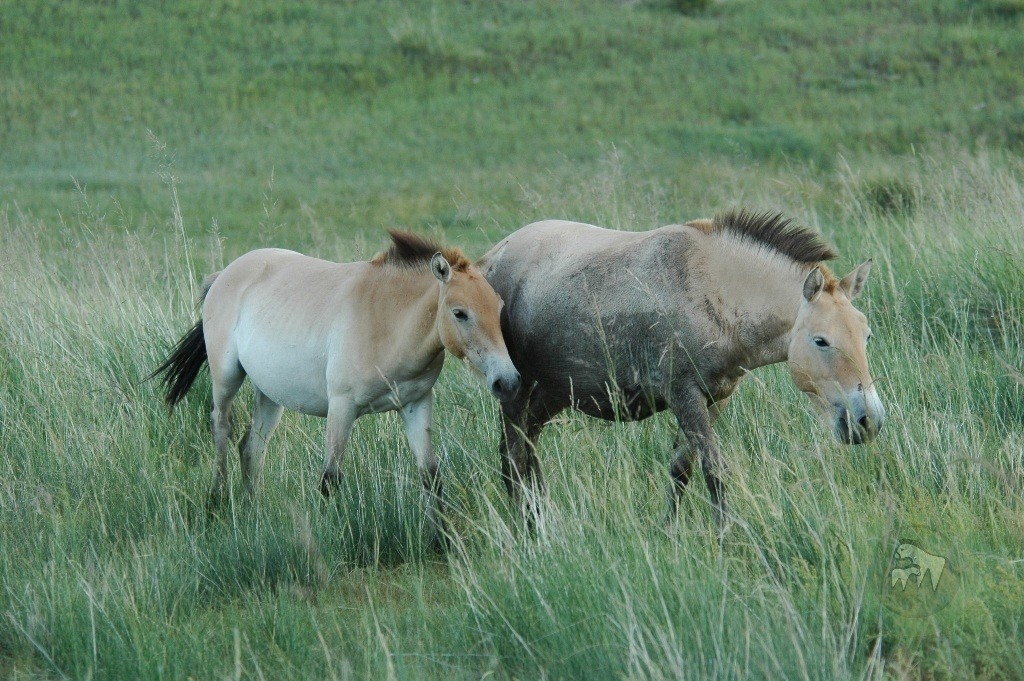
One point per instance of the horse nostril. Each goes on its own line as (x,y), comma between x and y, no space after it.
(505,387)
(865,423)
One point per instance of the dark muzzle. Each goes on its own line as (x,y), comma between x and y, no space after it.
(505,387)
(863,429)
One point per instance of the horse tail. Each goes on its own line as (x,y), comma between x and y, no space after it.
(187,358)
(182,366)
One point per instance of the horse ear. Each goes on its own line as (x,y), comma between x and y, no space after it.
(853,283)
(813,284)
(441,269)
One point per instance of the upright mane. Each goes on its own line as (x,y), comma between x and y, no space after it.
(411,250)
(773,231)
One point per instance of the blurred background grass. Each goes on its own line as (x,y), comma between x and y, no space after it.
(277,117)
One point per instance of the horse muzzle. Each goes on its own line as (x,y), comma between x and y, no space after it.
(860,421)
(504,384)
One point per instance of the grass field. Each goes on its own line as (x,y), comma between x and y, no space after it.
(143,145)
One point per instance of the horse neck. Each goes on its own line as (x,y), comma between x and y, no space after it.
(413,297)
(766,307)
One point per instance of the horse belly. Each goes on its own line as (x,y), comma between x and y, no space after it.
(292,375)
(631,403)
(389,395)
(594,370)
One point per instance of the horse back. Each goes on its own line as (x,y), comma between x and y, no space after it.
(291,289)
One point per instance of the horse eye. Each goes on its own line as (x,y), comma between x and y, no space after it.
(820,342)
(460,314)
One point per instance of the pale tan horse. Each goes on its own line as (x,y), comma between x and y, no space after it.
(621,325)
(339,340)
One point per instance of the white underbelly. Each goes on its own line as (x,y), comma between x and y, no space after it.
(290,374)
(389,395)
(296,369)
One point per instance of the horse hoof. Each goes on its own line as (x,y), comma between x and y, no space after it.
(329,483)
(215,503)
(440,543)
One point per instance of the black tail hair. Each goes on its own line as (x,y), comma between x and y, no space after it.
(183,364)
(186,360)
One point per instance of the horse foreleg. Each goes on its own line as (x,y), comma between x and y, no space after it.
(697,439)
(520,467)
(680,469)
(418,417)
(341,414)
(266,414)
(682,461)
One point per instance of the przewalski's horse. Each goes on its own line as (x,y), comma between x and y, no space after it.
(621,325)
(339,340)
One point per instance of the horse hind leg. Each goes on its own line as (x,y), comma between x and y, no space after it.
(225,388)
(266,415)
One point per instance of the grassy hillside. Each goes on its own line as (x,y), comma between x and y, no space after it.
(144,144)
(350,115)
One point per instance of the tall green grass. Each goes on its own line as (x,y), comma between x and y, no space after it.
(110,566)
(146,144)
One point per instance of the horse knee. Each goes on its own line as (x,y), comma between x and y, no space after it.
(243,449)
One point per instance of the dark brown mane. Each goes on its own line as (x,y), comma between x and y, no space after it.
(411,250)
(800,244)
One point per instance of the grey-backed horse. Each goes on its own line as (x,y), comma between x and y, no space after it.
(621,325)
(339,340)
